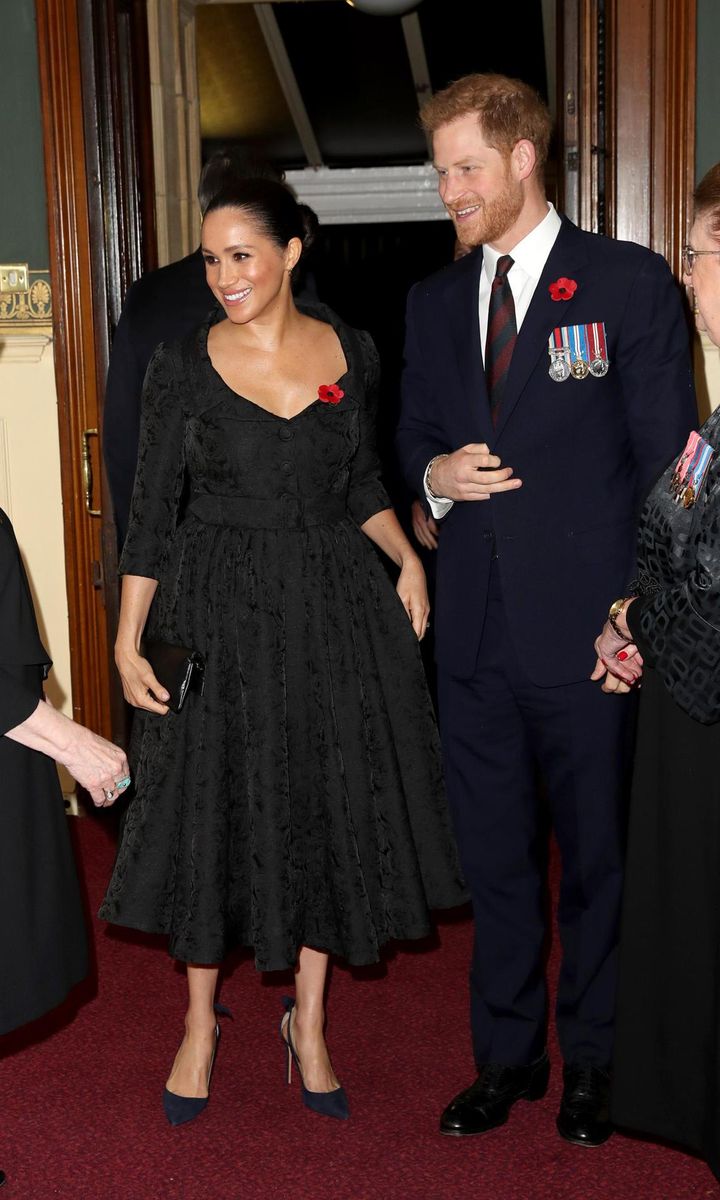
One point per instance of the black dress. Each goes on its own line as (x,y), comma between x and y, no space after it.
(667,1057)
(299,801)
(42,935)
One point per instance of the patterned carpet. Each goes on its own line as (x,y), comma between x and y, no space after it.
(81,1092)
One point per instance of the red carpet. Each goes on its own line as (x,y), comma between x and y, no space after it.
(81,1093)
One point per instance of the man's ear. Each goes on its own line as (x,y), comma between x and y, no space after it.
(523,159)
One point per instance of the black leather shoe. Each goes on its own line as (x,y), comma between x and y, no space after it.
(584,1116)
(487,1102)
(2,1179)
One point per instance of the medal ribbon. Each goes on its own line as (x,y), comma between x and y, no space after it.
(684,460)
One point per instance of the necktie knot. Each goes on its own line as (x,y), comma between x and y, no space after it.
(504,263)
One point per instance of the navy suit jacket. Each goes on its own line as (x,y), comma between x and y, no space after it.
(587,451)
(161,306)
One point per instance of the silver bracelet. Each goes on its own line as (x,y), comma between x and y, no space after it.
(428,474)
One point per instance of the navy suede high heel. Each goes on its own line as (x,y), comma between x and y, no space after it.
(327,1104)
(181,1109)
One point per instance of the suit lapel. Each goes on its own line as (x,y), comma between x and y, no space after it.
(462,308)
(567,257)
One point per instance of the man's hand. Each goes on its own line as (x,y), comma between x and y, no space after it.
(471,473)
(424,528)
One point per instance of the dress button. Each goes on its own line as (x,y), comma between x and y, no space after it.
(287,468)
(286,433)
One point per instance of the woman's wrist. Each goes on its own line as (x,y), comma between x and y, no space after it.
(408,558)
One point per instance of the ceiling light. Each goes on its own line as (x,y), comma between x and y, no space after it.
(384,8)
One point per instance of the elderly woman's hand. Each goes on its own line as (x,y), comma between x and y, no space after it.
(618,660)
(98,766)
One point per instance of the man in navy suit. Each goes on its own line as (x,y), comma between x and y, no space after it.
(547,384)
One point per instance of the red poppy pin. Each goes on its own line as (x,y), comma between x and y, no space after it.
(330,393)
(562,289)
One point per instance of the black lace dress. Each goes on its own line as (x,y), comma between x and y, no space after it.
(299,801)
(667,1059)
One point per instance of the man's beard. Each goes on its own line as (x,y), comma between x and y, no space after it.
(493,219)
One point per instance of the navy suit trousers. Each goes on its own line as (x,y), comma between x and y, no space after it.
(502,737)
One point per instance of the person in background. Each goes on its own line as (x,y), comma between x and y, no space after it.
(43,951)
(297,805)
(547,383)
(666,633)
(159,307)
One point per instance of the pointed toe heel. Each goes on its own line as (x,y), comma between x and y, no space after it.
(181,1109)
(326,1104)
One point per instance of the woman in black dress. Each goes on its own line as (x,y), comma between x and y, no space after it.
(667,1057)
(43,951)
(296,806)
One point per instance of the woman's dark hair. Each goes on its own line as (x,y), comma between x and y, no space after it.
(227,167)
(707,199)
(273,208)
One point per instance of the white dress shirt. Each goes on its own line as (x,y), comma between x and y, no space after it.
(529,258)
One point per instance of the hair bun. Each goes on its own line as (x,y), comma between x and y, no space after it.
(310,225)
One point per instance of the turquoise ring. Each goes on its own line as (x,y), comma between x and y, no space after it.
(122,783)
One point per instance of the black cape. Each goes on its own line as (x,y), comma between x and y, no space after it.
(43,949)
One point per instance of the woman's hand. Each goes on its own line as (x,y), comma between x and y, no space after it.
(424,528)
(98,766)
(412,590)
(140,686)
(618,659)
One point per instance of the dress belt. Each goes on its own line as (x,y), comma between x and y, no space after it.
(283,512)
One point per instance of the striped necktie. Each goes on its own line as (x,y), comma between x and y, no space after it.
(501,334)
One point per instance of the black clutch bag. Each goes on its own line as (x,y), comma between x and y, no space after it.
(178,669)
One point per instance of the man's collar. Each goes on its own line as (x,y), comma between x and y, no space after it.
(531,253)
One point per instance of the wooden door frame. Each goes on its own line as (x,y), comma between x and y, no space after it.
(74,328)
(102,235)
(627,109)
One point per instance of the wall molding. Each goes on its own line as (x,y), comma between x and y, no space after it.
(24,346)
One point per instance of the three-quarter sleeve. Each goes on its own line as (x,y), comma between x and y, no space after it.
(366,493)
(160,470)
(19,695)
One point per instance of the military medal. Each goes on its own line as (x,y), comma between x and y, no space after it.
(599,363)
(559,352)
(691,470)
(579,367)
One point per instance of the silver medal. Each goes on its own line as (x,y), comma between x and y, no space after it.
(559,369)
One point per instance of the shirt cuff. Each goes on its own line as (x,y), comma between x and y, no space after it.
(439,505)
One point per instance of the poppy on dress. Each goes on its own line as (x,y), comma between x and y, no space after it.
(330,393)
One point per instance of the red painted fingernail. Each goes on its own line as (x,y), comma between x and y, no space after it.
(621,656)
